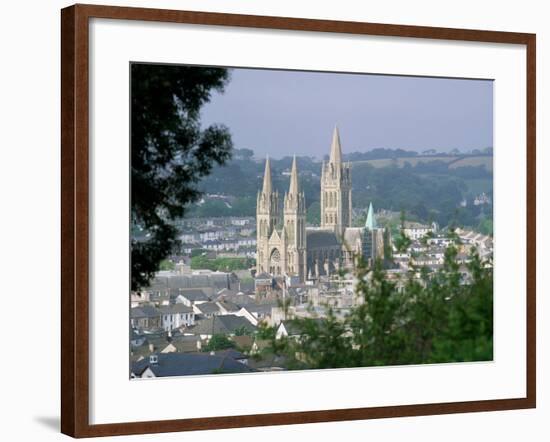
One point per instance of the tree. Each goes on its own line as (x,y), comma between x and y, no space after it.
(166,264)
(388,249)
(435,318)
(402,241)
(219,342)
(170,154)
(244,154)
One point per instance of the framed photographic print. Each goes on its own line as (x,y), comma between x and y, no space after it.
(272,220)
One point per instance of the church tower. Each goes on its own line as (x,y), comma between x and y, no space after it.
(295,227)
(267,217)
(336,190)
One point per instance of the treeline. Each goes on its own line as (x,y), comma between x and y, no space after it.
(433,320)
(422,192)
(384,153)
(427,191)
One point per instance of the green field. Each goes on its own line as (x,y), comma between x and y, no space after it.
(453,161)
(400,162)
(486,161)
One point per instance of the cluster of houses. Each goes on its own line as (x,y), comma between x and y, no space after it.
(172,324)
(224,234)
(481,199)
(428,252)
(177,322)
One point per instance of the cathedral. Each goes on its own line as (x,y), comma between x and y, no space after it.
(286,246)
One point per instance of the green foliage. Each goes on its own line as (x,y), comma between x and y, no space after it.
(402,241)
(218,342)
(486,226)
(221,264)
(388,249)
(242,331)
(170,154)
(166,264)
(437,318)
(197,252)
(265,332)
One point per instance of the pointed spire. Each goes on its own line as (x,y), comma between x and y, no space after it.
(335,148)
(267,188)
(370,223)
(293,189)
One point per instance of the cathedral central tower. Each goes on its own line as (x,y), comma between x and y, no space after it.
(336,190)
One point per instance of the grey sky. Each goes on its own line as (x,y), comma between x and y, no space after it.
(284,112)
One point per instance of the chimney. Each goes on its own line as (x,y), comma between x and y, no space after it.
(153,359)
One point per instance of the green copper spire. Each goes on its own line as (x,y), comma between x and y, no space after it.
(370,223)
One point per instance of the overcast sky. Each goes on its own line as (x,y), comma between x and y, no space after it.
(284,112)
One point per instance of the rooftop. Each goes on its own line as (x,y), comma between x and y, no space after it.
(185,364)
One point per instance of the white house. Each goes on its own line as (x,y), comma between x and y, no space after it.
(175,316)
(414,230)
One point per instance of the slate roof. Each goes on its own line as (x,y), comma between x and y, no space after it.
(185,364)
(140,352)
(224,324)
(157,343)
(352,235)
(238,299)
(177,281)
(194,294)
(174,309)
(321,238)
(208,308)
(230,353)
(263,309)
(144,311)
(229,306)
(186,343)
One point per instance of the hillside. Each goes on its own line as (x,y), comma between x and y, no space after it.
(453,162)
(427,187)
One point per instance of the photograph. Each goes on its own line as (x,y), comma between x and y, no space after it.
(305,220)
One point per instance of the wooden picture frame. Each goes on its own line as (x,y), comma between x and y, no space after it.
(75,219)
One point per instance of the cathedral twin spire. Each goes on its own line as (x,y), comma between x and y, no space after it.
(294,199)
(281,249)
(294,188)
(268,186)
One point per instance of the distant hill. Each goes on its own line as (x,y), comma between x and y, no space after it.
(435,186)
(452,161)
